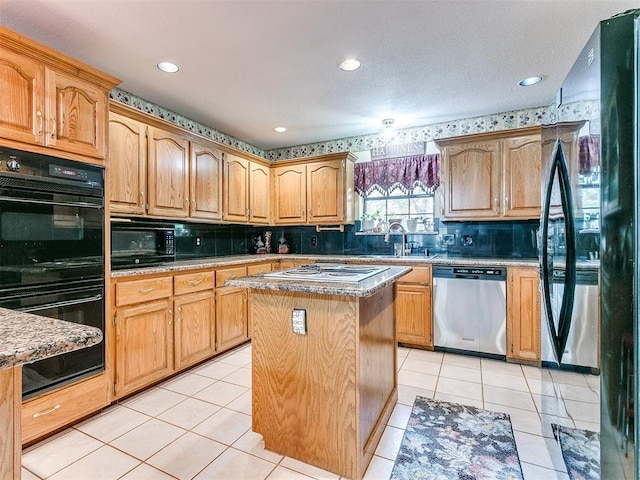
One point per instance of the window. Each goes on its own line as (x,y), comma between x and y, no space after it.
(401,204)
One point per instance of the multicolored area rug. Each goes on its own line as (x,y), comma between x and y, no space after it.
(445,441)
(580,450)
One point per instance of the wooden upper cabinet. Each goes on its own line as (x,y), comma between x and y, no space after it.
(289,203)
(76,115)
(236,189)
(522,176)
(325,198)
(168,174)
(50,100)
(21,97)
(127,165)
(492,176)
(206,182)
(259,187)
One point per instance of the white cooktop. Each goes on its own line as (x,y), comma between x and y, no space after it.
(329,272)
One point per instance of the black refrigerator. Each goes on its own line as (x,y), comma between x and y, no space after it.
(591,150)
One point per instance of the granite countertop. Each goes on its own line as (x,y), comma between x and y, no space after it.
(25,338)
(365,288)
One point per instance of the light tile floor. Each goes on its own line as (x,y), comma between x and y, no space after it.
(198,425)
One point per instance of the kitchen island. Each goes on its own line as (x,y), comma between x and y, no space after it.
(25,338)
(324,366)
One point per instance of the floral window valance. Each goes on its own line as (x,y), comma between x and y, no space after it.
(403,173)
(589,154)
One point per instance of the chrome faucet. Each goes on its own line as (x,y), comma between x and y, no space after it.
(404,235)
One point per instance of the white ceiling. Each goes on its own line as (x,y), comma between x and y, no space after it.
(249,66)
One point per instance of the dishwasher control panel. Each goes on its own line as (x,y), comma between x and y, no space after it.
(470,272)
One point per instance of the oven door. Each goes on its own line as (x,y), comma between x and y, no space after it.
(49,237)
(77,302)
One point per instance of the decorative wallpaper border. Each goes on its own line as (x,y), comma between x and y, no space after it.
(588,110)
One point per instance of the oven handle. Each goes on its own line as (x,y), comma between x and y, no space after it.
(49,202)
(66,303)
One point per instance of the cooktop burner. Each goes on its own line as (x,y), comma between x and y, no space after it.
(329,272)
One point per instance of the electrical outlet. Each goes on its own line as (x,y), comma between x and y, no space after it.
(299,321)
(198,241)
(314,241)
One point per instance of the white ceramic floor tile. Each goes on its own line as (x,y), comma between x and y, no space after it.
(591,426)
(536,472)
(403,351)
(154,401)
(221,393)
(512,382)
(400,416)
(417,379)
(540,451)
(586,412)
(27,475)
(309,470)
(379,468)
(48,457)
(421,366)
(510,398)
(547,420)
(146,472)
(570,378)
(189,413)
(461,361)
(460,373)
(187,456)
(224,426)
(113,422)
(551,406)
(593,381)
(498,366)
(543,387)
(281,473)
(459,388)
(536,373)
(187,383)
(148,438)
(389,444)
(106,463)
(578,393)
(240,359)
(426,355)
(252,443)
(469,402)
(241,377)
(216,370)
(242,404)
(236,465)
(407,395)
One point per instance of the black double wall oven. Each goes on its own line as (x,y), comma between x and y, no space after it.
(52,255)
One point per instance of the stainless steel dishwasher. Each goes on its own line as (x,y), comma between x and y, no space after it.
(470,308)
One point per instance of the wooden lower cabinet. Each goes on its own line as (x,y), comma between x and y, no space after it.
(144,345)
(195,338)
(51,411)
(232,326)
(523,314)
(413,308)
(10,419)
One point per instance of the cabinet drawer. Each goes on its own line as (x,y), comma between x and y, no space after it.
(51,411)
(421,275)
(260,268)
(226,273)
(193,282)
(137,291)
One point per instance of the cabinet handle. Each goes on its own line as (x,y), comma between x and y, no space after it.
(46,412)
(39,115)
(195,282)
(193,203)
(146,290)
(53,127)
(170,315)
(186,202)
(495,204)
(506,202)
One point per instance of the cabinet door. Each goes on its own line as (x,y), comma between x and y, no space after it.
(194,328)
(259,194)
(127,165)
(144,345)
(22,98)
(523,314)
(206,182)
(290,202)
(522,163)
(231,317)
(76,115)
(236,189)
(413,314)
(168,174)
(325,192)
(471,174)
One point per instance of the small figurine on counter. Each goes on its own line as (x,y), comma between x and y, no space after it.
(259,246)
(267,241)
(283,246)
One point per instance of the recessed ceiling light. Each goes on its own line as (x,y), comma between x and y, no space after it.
(168,67)
(349,64)
(530,81)
(280,129)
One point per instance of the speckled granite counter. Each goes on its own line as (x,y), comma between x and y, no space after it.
(362,289)
(25,338)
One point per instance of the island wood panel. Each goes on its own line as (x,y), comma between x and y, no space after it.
(10,408)
(323,398)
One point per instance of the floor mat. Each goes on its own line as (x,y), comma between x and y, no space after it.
(580,450)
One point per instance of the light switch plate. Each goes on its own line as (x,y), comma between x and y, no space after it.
(299,321)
